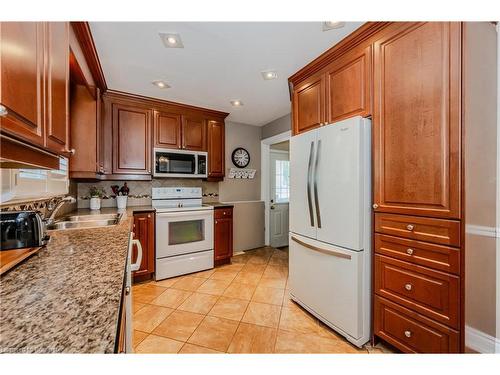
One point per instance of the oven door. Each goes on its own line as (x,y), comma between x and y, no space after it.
(184,232)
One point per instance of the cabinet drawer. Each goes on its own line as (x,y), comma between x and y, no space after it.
(220,213)
(411,332)
(445,232)
(431,293)
(439,257)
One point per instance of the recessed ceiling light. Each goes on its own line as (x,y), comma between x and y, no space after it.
(160,84)
(236,103)
(269,74)
(329,25)
(171,40)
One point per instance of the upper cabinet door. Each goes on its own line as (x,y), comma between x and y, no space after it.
(21,79)
(216,148)
(57,110)
(349,85)
(131,139)
(194,133)
(167,130)
(417,119)
(309,104)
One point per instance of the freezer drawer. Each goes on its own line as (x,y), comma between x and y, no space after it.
(327,280)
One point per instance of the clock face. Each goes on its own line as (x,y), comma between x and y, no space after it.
(240,157)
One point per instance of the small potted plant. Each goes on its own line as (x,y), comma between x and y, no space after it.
(96,194)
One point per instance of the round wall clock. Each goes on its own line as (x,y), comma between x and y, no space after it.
(240,157)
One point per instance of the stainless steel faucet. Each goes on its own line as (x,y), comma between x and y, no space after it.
(62,202)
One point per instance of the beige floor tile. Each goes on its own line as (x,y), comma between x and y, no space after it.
(240,259)
(199,303)
(265,251)
(179,325)
(241,291)
(258,259)
(250,338)
(171,298)
(215,287)
(248,278)
(281,253)
(137,337)
(229,308)
(276,272)
(195,349)
(156,344)
(224,274)
(214,333)
(275,261)
(145,293)
(287,300)
(204,274)
(188,283)
(272,296)
(296,319)
(262,314)
(149,317)
(291,342)
(272,283)
(136,306)
(255,268)
(167,283)
(231,267)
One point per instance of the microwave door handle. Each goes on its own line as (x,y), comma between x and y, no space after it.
(309,173)
(316,197)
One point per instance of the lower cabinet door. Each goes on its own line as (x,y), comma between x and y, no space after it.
(144,231)
(223,242)
(412,332)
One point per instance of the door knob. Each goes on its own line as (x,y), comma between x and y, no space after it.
(408,286)
(272,207)
(410,227)
(409,251)
(375,206)
(408,333)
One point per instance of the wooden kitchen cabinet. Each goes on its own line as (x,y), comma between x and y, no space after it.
(223,235)
(34,84)
(194,133)
(216,149)
(416,120)
(57,83)
(144,231)
(308,104)
(348,81)
(167,130)
(131,139)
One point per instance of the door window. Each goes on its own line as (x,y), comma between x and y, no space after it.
(282,181)
(181,232)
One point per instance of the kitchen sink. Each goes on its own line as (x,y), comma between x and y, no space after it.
(85,221)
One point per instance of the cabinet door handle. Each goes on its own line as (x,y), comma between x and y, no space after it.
(410,227)
(408,286)
(409,251)
(375,206)
(408,334)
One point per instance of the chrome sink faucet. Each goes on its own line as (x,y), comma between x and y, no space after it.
(62,202)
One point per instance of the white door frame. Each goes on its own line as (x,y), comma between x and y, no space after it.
(265,152)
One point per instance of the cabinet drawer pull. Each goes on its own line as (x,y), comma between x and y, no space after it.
(375,206)
(410,227)
(3,111)
(409,251)
(408,286)
(408,334)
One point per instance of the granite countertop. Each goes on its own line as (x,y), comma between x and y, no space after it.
(66,298)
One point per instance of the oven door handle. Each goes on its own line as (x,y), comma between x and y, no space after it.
(184,213)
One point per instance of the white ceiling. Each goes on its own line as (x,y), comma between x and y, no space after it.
(220,61)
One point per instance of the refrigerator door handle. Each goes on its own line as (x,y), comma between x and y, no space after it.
(316,198)
(321,250)
(309,173)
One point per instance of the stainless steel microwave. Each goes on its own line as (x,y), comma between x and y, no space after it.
(180,163)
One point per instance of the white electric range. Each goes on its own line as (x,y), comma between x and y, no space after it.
(184,231)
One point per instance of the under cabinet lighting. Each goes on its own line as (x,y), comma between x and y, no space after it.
(236,103)
(160,84)
(269,74)
(171,40)
(330,25)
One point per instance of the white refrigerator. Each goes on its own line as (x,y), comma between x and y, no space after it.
(330,225)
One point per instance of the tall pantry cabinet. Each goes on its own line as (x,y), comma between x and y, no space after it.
(408,77)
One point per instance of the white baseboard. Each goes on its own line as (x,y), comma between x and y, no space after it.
(481,342)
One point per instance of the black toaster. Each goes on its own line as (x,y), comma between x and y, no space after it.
(21,229)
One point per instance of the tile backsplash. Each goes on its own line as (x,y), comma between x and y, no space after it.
(140,191)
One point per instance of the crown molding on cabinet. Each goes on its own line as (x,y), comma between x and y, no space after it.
(84,36)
